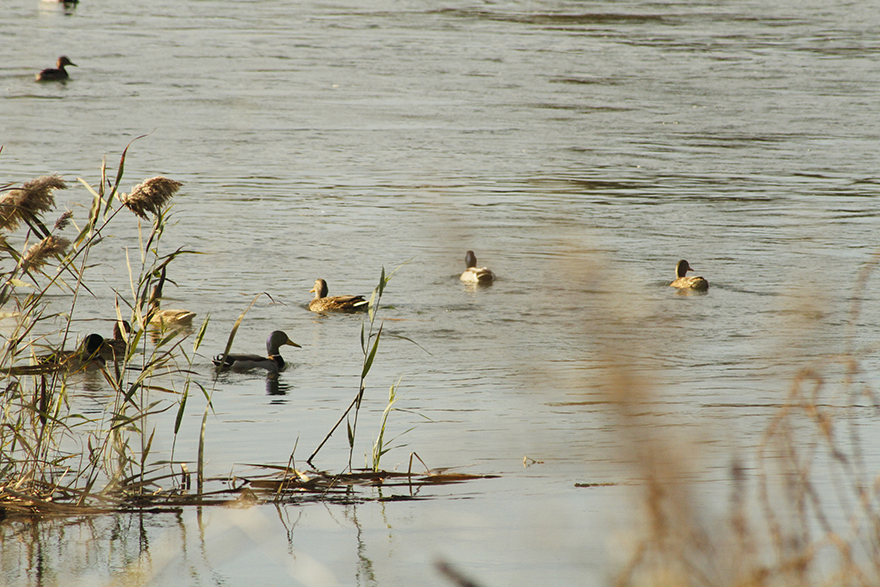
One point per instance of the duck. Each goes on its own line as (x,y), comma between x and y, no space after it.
(323,303)
(172,318)
(474,274)
(169,318)
(116,347)
(682,281)
(86,357)
(273,363)
(57,74)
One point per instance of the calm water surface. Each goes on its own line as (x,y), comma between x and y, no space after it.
(580,148)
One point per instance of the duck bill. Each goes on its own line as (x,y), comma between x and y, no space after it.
(291,343)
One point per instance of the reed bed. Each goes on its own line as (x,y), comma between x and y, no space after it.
(55,461)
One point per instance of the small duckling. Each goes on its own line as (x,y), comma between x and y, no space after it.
(474,274)
(57,74)
(682,281)
(322,303)
(273,363)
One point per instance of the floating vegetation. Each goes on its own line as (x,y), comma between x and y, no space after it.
(274,485)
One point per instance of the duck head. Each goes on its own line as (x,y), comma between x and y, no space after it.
(276,340)
(320,288)
(682,268)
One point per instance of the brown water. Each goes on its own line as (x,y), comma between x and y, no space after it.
(560,141)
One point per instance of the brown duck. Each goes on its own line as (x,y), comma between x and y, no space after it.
(324,303)
(682,281)
(474,274)
(57,74)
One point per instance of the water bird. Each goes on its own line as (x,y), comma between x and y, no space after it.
(58,73)
(116,347)
(474,274)
(170,318)
(273,363)
(85,358)
(682,281)
(323,303)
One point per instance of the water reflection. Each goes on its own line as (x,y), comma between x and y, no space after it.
(274,385)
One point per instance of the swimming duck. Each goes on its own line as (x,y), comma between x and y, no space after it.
(116,347)
(273,363)
(59,74)
(171,318)
(682,281)
(322,303)
(474,274)
(85,358)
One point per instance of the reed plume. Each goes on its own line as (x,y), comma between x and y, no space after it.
(28,201)
(37,255)
(150,196)
(63,221)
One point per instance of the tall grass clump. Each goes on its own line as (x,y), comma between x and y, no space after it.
(370,336)
(51,455)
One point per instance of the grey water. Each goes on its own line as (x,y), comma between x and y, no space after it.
(579,148)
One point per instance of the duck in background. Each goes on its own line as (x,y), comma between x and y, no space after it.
(115,348)
(170,318)
(58,73)
(474,274)
(273,363)
(323,303)
(87,357)
(682,281)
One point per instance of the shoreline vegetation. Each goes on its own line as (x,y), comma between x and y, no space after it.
(57,462)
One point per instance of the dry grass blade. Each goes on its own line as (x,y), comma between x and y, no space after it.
(150,196)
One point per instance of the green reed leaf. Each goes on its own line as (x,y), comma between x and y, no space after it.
(369,361)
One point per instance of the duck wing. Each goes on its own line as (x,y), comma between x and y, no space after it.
(338,303)
(234,358)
